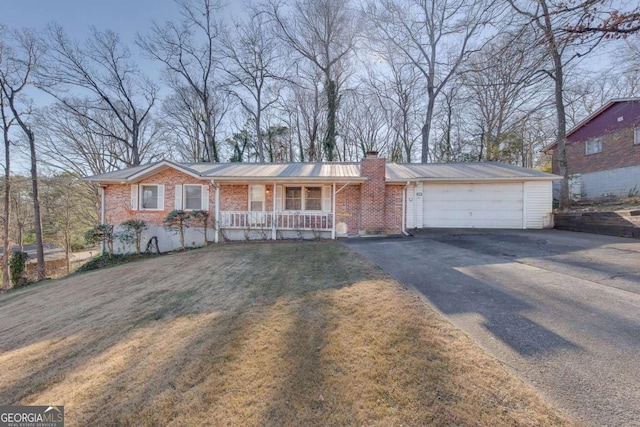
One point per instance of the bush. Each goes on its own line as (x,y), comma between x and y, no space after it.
(132,233)
(17,265)
(99,233)
(177,220)
(101,261)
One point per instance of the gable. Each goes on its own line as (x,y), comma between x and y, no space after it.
(618,115)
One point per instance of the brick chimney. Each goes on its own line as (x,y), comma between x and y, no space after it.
(372,194)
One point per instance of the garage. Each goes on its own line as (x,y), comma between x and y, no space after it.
(475,195)
(473,205)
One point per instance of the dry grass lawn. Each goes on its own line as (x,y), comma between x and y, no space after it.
(250,334)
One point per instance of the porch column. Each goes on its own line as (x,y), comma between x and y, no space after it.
(217,213)
(274,234)
(333,212)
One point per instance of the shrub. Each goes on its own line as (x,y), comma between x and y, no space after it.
(132,233)
(100,233)
(177,220)
(101,261)
(201,218)
(17,265)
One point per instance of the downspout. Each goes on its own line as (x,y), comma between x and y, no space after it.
(404,209)
(216,211)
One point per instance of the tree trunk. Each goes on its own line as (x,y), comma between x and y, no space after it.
(6,280)
(37,220)
(561,136)
(332,106)
(426,128)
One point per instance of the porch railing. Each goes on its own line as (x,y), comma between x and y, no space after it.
(315,221)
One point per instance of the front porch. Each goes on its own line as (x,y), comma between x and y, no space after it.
(275,225)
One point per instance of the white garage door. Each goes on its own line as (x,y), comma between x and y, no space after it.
(473,205)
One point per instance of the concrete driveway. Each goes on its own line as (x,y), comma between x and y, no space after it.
(561,309)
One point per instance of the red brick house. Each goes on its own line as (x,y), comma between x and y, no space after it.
(603,151)
(325,200)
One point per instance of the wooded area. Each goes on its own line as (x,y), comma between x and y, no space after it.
(304,80)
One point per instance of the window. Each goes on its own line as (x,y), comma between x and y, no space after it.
(313,199)
(293,199)
(593,146)
(192,197)
(303,199)
(256,198)
(149,197)
(636,135)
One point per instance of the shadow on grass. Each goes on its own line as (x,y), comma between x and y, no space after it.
(135,335)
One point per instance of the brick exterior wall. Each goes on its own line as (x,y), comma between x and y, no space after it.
(372,198)
(618,151)
(118,198)
(234,197)
(371,207)
(348,207)
(393,209)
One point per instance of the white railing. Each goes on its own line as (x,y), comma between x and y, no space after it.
(318,221)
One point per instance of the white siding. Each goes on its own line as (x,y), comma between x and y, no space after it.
(538,206)
(411,207)
(419,194)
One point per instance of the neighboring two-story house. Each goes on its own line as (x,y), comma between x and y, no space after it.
(603,151)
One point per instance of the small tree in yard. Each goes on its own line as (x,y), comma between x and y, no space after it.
(132,232)
(101,233)
(201,218)
(177,220)
(18,265)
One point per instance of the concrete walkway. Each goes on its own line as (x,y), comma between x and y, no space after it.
(561,309)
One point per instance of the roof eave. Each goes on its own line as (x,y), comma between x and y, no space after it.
(271,179)
(503,179)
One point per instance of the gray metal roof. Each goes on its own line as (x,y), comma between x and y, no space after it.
(485,171)
(395,172)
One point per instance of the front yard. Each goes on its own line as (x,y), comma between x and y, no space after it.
(250,334)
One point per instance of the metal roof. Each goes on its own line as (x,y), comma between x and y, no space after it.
(337,172)
(481,171)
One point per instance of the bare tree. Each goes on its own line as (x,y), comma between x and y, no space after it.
(395,89)
(323,32)
(436,36)
(253,57)
(7,122)
(190,52)
(504,84)
(110,96)
(21,52)
(550,20)
(186,127)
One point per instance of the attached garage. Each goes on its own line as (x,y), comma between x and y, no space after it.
(475,195)
(472,205)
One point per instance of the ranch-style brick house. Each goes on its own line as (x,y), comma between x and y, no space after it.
(325,200)
(603,151)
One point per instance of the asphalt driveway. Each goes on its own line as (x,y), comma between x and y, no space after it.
(561,309)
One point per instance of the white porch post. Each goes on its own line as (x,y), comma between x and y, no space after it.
(274,234)
(216,213)
(333,212)
(102,215)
